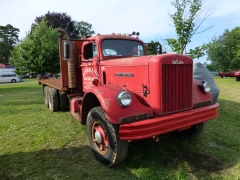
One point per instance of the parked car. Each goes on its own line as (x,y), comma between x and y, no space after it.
(26,76)
(45,76)
(227,74)
(7,75)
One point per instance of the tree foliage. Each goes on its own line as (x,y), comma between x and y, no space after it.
(59,20)
(224,51)
(152,47)
(38,52)
(198,52)
(187,19)
(8,39)
(84,29)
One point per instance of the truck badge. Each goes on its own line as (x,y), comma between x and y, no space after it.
(177,62)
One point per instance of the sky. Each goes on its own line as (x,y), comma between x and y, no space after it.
(150,18)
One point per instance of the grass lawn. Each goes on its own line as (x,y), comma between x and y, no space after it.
(38,144)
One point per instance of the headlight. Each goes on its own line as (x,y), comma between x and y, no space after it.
(124,98)
(205,87)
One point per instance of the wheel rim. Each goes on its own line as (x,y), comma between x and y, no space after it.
(99,137)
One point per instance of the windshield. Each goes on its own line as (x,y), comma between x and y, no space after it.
(122,48)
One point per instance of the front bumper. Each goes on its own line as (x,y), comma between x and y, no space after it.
(164,124)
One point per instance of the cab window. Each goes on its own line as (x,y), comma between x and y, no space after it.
(122,48)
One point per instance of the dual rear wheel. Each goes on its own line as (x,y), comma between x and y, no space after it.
(54,100)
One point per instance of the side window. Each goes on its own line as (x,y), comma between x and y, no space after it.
(94,49)
(90,51)
(140,51)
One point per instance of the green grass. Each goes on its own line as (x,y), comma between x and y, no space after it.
(38,144)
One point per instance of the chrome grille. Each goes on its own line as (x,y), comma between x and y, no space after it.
(176,87)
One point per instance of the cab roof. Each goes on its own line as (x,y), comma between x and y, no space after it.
(112,36)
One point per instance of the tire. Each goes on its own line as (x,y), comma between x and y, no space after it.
(53,99)
(13,81)
(45,96)
(194,131)
(237,78)
(103,138)
(63,101)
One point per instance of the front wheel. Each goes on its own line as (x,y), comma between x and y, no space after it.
(103,138)
(194,131)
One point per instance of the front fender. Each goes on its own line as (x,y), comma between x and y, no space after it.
(198,96)
(116,114)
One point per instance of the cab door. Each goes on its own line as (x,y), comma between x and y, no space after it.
(89,65)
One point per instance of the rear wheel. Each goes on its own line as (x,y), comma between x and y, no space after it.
(53,99)
(45,96)
(103,138)
(62,101)
(194,131)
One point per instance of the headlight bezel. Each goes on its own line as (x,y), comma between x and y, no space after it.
(122,99)
(205,87)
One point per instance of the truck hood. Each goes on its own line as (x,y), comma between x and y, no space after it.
(132,72)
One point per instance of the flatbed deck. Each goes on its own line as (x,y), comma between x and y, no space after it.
(54,83)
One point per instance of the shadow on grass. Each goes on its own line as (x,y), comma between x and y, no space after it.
(66,163)
(171,156)
(159,161)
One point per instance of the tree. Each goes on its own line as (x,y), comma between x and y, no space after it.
(84,29)
(187,19)
(224,51)
(38,52)
(152,47)
(59,20)
(8,38)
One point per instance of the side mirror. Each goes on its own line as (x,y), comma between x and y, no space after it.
(66,50)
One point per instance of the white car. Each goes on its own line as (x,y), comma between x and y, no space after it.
(7,75)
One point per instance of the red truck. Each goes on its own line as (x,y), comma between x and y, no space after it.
(227,74)
(120,93)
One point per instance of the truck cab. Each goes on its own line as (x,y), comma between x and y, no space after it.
(121,93)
